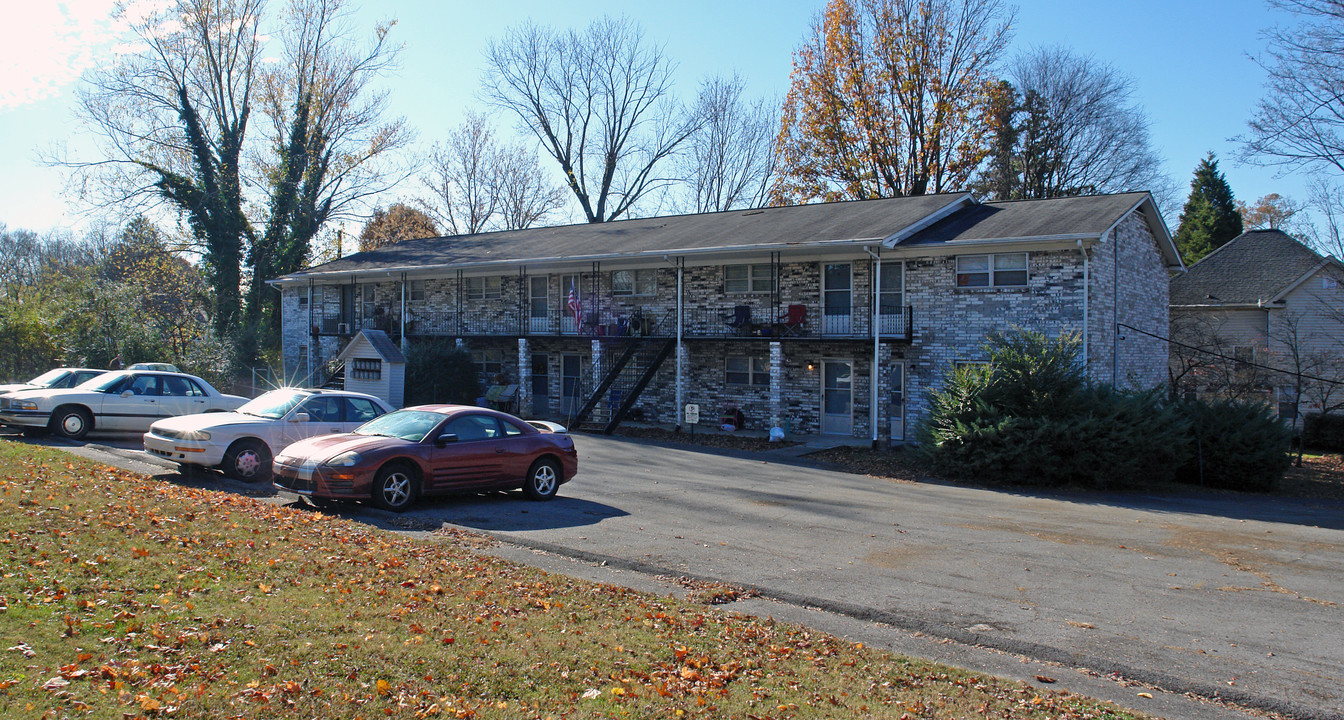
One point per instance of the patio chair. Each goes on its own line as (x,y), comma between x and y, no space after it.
(793,321)
(740,319)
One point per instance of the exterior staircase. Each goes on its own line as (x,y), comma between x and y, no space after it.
(334,373)
(625,372)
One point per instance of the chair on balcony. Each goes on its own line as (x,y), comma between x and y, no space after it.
(793,321)
(740,320)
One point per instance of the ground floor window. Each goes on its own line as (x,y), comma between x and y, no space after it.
(489,362)
(745,370)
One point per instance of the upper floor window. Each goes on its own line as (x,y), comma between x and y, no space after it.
(484,288)
(743,370)
(415,290)
(996,270)
(633,282)
(366,301)
(748,278)
(317,296)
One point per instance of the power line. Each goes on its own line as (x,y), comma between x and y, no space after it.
(1245,363)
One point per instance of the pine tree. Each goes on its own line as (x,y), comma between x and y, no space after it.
(1210,216)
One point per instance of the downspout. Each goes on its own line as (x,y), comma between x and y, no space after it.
(1087,329)
(877,339)
(402,330)
(1115,309)
(313,343)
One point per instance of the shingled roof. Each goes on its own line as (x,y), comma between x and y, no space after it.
(1252,268)
(929,220)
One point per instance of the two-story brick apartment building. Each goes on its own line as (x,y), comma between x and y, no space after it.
(832,318)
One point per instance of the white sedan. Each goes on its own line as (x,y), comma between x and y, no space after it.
(120,401)
(243,442)
(57,379)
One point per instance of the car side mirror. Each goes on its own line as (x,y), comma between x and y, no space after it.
(127,393)
(446,438)
(299,417)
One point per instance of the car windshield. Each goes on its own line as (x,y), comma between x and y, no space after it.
(411,425)
(273,404)
(105,383)
(47,379)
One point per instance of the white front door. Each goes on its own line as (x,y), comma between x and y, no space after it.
(837,397)
(896,401)
(837,286)
(538,304)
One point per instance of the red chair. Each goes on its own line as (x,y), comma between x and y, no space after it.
(793,321)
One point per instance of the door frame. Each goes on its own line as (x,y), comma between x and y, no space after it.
(821,398)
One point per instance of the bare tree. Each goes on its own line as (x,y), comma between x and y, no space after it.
(1299,124)
(172,123)
(1075,130)
(730,161)
(599,100)
(478,184)
(1327,199)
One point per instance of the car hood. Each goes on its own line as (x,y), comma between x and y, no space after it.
(61,393)
(205,421)
(15,387)
(326,446)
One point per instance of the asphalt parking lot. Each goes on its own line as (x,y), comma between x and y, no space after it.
(1229,597)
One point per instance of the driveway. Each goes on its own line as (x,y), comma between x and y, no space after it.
(1229,596)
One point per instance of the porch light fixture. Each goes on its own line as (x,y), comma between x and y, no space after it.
(811,367)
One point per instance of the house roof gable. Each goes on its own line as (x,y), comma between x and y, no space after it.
(381,343)
(1256,267)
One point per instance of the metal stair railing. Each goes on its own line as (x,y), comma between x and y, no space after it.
(631,394)
(608,377)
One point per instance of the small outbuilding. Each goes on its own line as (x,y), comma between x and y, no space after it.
(374,365)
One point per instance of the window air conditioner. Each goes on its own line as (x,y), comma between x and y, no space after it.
(343,329)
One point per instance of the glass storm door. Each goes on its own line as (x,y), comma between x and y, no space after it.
(896,401)
(837,285)
(541,385)
(891,300)
(837,397)
(538,305)
(572,368)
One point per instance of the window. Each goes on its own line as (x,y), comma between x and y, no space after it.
(489,363)
(322,408)
(360,410)
(997,270)
(181,387)
(469,428)
(145,385)
(748,278)
(415,290)
(303,299)
(633,282)
(743,370)
(318,297)
(484,288)
(368,369)
(890,294)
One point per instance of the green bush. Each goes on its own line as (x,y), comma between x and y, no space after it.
(1235,445)
(1323,432)
(439,371)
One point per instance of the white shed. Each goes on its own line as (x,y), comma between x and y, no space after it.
(374,365)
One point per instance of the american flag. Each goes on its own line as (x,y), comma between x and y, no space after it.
(574,305)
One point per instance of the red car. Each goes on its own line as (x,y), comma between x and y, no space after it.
(430,450)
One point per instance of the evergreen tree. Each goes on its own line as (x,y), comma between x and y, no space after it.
(1210,216)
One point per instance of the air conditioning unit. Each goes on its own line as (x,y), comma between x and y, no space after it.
(343,329)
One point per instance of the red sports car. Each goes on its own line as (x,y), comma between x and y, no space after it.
(430,450)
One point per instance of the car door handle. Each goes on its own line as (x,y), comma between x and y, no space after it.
(499,450)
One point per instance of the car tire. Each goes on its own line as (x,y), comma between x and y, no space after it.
(71,422)
(395,488)
(543,480)
(248,461)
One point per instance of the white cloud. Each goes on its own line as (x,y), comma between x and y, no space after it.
(45,46)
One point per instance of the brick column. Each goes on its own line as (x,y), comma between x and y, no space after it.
(776,384)
(524,379)
(597,364)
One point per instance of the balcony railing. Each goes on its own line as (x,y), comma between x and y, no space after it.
(734,321)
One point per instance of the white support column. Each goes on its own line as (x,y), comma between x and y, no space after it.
(524,379)
(597,363)
(402,314)
(776,384)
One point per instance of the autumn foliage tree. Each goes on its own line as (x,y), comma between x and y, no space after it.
(889,98)
(398,222)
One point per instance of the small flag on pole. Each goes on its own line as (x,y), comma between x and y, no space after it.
(575,306)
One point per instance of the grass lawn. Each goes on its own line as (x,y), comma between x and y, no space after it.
(126,597)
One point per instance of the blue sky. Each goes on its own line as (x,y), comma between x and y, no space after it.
(1188,58)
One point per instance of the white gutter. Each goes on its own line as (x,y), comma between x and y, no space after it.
(877,339)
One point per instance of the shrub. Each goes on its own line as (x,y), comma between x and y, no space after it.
(440,371)
(1235,445)
(1323,432)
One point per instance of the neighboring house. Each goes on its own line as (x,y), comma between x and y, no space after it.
(832,318)
(1261,317)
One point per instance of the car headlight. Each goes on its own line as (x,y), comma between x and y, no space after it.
(345,459)
(24,404)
